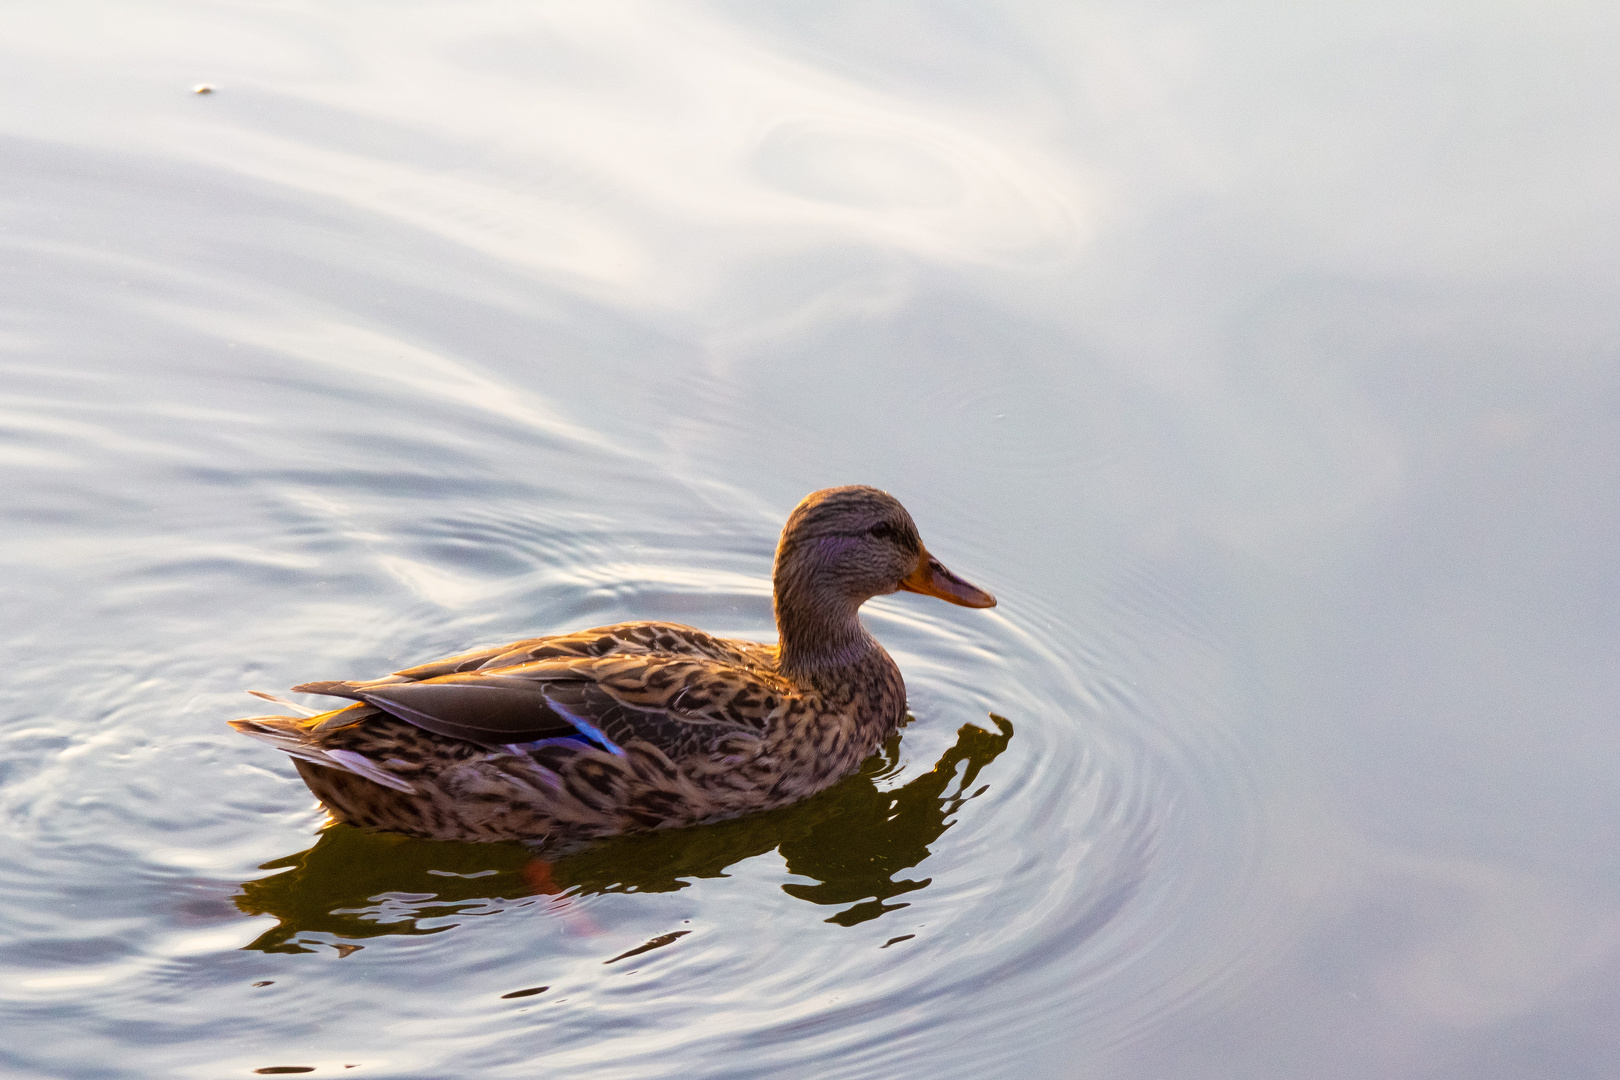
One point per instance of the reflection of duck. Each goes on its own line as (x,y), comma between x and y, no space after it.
(636,726)
(853,840)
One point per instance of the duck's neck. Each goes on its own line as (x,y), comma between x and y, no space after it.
(819,632)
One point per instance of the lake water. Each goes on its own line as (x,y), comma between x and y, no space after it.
(1263,359)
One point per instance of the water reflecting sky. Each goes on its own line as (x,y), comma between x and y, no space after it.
(1263,359)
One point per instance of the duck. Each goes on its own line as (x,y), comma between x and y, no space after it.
(638,726)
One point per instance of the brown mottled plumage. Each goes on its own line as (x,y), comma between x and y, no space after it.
(640,725)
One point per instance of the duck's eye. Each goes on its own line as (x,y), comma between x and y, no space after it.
(882,530)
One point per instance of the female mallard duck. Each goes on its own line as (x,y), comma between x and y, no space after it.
(641,725)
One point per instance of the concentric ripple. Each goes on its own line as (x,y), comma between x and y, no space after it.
(1042,824)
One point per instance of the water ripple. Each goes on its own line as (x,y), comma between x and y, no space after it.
(358,407)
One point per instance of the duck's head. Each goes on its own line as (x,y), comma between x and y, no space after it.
(841,547)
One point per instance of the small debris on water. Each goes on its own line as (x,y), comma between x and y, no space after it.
(656,943)
(530,992)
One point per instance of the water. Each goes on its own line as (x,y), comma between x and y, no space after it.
(1262,361)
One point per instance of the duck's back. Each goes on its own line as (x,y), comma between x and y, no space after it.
(619,639)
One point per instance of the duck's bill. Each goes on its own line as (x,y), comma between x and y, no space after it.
(932,579)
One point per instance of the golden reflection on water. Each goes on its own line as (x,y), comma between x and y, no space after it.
(855,840)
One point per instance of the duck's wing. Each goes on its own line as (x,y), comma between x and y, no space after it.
(678,704)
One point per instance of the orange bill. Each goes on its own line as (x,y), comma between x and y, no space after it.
(932,579)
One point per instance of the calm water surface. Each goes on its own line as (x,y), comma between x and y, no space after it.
(1263,360)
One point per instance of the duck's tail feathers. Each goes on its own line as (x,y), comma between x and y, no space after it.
(289,733)
(292,735)
(283,702)
(347,688)
(312,723)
